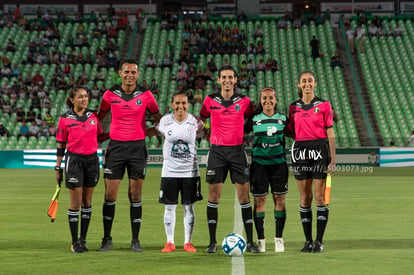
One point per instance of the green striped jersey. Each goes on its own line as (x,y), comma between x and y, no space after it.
(269,145)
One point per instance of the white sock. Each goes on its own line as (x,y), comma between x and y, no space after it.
(189,220)
(169,221)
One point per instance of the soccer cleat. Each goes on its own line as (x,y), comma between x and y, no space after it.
(261,245)
(307,247)
(252,248)
(317,247)
(76,247)
(106,244)
(169,247)
(189,247)
(279,245)
(83,245)
(135,246)
(212,248)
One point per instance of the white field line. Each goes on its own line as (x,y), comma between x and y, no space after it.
(237,263)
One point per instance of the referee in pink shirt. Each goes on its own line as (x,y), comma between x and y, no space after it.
(313,155)
(127,149)
(227,111)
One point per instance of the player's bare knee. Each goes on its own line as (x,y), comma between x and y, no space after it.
(259,201)
(110,196)
(135,196)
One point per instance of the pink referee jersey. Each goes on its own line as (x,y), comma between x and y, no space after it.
(226,118)
(310,121)
(128,112)
(79,132)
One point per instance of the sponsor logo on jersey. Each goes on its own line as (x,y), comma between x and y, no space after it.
(73,124)
(115,101)
(214,108)
(180,149)
(270,145)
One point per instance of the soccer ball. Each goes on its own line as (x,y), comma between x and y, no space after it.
(234,245)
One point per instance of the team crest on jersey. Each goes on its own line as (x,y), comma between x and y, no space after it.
(280,121)
(93,122)
(139,102)
(237,107)
(316,110)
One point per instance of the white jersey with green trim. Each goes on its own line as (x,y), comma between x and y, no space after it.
(179,150)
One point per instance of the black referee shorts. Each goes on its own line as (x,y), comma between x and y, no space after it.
(81,170)
(129,155)
(221,159)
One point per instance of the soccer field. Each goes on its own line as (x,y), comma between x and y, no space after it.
(370,230)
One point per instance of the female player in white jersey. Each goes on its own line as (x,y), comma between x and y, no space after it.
(180,173)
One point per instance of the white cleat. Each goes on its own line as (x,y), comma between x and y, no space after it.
(279,245)
(261,245)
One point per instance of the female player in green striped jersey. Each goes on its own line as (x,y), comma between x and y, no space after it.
(269,167)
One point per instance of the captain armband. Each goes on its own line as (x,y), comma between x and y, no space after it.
(60,152)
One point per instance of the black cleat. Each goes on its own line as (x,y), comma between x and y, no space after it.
(307,247)
(317,247)
(106,244)
(135,246)
(83,245)
(212,248)
(252,248)
(76,247)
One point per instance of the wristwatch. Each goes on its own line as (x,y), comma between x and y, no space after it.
(57,168)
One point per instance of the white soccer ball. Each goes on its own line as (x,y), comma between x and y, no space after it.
(234,245)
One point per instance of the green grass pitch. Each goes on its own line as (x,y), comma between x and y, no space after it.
(370,230)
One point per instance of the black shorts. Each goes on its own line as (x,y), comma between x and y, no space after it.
(221,159)
(131,155)
(81,170)
(261,176)
(190,189)
(310,159)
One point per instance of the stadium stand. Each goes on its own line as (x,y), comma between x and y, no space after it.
(288,46)
(89,63)
(388,71)
(76,51)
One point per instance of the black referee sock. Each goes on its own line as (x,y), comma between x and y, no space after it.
(212,217)
(322,213)
(108,213)
(85,220)
(247,216)
(135,211)
(306,218)
(73,218)
(259,224)
(280,220)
